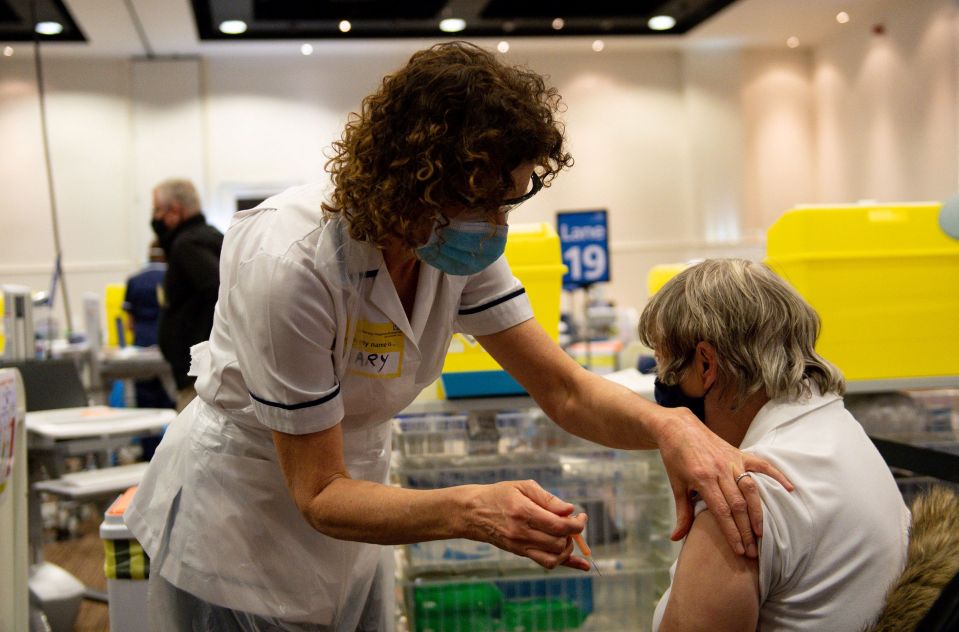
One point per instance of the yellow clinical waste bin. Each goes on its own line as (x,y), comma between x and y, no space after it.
(117,323)
(885,281)
(533,253)
(660,274)
(127,569)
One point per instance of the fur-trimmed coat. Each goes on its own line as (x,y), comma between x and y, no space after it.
(933,560)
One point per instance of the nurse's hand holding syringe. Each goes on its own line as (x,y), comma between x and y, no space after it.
(516,516)
(523,518)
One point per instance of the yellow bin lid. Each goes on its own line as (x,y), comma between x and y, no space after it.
(535,244)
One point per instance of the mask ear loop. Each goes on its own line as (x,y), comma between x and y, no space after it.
(435,239)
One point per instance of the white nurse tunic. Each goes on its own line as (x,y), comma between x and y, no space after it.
(292,351)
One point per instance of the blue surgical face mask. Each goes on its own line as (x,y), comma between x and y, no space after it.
(672,396)
(463,248)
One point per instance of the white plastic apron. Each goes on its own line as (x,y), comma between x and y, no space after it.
(266,559)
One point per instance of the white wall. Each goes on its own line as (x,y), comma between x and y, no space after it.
(89,123)
(167,129)
(694,152)
(269,122)
(626,126)
(886,107)
(779,140)
(713,79)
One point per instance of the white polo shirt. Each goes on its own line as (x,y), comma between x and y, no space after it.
(831,548)
(213,506)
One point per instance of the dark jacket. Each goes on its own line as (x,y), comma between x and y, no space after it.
(143,304)
(190,289)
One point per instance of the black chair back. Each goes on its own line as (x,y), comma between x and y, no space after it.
(50,384)
(944,614)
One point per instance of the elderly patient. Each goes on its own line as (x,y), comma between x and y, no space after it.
(734,343)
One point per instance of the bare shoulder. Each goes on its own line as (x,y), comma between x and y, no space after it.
(713,588)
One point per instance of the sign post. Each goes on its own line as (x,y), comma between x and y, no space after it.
(584,241)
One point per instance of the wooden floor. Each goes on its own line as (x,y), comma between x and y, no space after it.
(83,557)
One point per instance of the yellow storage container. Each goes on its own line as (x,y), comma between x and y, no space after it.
(116,317)
(660,274)
(885,281)
(533,253)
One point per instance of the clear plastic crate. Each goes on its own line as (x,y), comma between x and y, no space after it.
(431,435)
(454,585)
(625,495)
(477,433)
(518,431)
(942,405)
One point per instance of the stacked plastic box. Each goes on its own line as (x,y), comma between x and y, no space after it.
(127,568)
(454,585)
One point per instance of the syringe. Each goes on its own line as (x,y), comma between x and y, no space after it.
(584,549)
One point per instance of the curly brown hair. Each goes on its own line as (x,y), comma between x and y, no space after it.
(441,135)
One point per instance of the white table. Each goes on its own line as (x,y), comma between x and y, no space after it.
(108,481)
(49,426)
(54,434)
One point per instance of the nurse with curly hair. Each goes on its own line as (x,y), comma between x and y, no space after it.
(266,505)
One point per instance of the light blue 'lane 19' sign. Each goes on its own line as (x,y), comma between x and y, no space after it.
(583,237)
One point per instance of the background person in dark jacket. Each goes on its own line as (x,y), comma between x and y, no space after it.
(192,280)
(142,305)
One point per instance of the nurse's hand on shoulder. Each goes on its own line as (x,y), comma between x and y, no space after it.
(697,460)
(523,518)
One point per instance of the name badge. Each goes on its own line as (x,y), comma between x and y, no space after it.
(377,350)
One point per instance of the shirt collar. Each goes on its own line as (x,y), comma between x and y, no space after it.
(349,261)
(779,412)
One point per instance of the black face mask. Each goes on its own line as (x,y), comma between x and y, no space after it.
(674,397)
(160,229)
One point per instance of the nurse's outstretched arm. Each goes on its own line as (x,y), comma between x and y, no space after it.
(596,409)
(516,516)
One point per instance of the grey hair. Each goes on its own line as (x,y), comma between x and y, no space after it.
(179,190)
(763,331)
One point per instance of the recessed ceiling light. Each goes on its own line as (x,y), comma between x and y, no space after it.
(558,24)
(598,45)
(8,51)
(233,27)
(345,26)
(793,42)
(661,22)
(306,49)
(48,28)
(503,47)
(842,17)
(452,25)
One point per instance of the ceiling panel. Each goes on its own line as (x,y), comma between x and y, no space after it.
(7,14)
(567,9)
(319,19)
(17,20)
(172,28)
(336,10)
